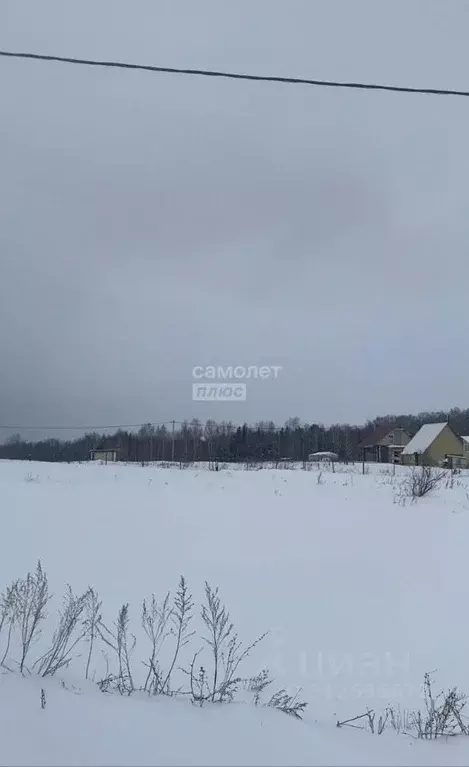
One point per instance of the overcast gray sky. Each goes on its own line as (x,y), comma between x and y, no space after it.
(150,223)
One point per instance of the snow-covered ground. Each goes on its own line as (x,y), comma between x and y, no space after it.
(361,595)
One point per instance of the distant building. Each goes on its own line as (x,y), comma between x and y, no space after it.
(384,444)
(433,445)
(103,454)
(324,456)
(465,447)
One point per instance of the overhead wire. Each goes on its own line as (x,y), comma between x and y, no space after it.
(233,75)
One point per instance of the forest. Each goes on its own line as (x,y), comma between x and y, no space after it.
(189,441)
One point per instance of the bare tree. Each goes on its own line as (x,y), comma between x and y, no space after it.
(197,431)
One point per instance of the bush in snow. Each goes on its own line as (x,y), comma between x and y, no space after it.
(167,623)
(422,481)
(7,617)
(23,608)
(227,654)
(181,616)
(443,716)
(63,641)
(91,624)
(122,643)
(154,622)
(443,713)
(31,477)
(160,623)
(288,704)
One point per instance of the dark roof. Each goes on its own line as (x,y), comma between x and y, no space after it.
(374,436)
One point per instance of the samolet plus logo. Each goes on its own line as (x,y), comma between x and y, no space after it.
(223,384)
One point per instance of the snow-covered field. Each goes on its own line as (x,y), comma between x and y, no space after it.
(361,595)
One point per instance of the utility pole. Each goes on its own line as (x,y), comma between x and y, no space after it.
(172,444)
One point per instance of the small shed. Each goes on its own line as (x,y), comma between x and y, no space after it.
(323,456)
(104,454)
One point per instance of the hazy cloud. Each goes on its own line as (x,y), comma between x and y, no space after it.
(152,223)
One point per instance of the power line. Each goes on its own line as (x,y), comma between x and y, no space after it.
(235,76)
(89,428)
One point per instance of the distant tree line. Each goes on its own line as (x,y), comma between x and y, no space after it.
(224,441)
